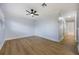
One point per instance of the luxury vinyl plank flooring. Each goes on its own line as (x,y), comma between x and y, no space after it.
(33,46)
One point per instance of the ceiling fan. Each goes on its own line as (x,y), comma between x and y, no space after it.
(32,12)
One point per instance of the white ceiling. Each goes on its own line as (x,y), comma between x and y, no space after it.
(52,9)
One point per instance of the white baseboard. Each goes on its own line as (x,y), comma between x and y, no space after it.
(11,38)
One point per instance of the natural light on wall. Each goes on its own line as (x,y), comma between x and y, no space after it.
(18,27)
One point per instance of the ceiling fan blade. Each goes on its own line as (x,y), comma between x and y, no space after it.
(35,11)
(27,11)
(27,14)
(36,14)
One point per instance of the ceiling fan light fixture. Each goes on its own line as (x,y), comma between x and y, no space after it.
(32,15)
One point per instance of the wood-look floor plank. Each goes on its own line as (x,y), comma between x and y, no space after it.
(34,46)
(3,49)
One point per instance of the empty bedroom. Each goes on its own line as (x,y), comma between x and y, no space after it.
(38,29)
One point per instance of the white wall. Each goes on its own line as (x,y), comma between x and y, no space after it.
(47,28)
(1,29)
(17,27)
(20,27)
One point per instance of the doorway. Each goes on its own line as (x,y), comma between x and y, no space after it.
(69,35)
